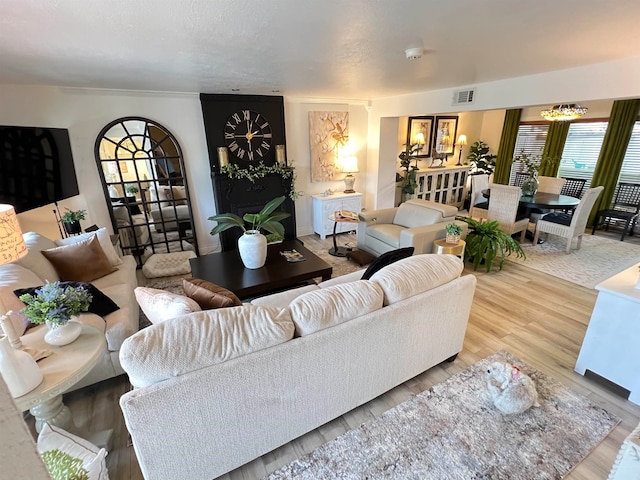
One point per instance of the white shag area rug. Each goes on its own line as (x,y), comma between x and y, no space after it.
(453,431)
(598,259)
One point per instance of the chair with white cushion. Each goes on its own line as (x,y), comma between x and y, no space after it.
(479,204)
(503,207)
(550,184)
(569,226)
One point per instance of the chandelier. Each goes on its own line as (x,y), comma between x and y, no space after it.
(561,113)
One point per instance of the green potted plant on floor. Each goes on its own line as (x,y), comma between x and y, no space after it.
(253,244)
(480,159)
(485,243)
(71,220)
(407,181)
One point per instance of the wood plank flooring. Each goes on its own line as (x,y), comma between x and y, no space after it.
(537,317)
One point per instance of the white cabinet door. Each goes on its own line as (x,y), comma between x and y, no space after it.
(324,208)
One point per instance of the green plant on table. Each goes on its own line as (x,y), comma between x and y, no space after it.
(453,229)
(486,243)
(131,188)
(267,219)
(535,163)
(55,303)
(62,466)
(72,216)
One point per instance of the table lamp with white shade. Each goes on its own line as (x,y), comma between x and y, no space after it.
(18,368)
(349,166)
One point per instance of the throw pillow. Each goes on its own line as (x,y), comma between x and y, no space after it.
(179,195)
(80,262)
(209,295)
(100,304)
(103,238)
(387,259)
(160,305)
(93,458)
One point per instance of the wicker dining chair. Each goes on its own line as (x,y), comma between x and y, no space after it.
(479,204)
(503,207)
(569,226)
(626,206)
(550,184)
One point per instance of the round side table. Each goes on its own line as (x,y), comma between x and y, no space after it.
(441,246)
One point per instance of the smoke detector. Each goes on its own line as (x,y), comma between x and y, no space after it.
(414,53)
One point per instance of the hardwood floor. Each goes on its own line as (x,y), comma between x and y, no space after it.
(537,317)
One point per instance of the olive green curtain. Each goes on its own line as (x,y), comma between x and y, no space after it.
(624,115)
(507,146)
(554,146)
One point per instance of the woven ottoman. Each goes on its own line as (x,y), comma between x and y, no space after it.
(168,264)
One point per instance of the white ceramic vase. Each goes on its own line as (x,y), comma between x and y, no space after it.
(59,335)
(19,370)
(253,249)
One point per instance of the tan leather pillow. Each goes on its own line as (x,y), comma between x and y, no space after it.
(209,295)
(83,261)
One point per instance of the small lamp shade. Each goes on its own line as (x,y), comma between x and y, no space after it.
(12,246)
(462,140)
(350,164)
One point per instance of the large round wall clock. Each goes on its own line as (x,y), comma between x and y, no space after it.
(248,135)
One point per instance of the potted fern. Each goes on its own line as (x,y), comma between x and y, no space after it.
(253,244)
(486,243)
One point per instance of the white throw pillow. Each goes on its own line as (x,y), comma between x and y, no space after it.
(105,243)
(419,273)
(202,339)
(34,260)
(93,458)
(160,305)
(330,306)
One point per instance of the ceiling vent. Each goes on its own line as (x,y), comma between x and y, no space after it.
(464,97)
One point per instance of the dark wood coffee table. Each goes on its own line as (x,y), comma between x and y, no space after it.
(226,269)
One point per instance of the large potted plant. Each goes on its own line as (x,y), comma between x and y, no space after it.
(252,245)
(57,305)
(407,180)
(480,159)
(71,220)
(486,243)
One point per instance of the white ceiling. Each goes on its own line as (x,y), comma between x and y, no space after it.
(351,49)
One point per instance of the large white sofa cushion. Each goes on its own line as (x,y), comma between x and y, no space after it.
(411,276)
(317,310)
(34,260)
(105,243)
(201,339)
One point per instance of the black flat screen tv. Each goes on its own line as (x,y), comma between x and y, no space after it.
(36,166)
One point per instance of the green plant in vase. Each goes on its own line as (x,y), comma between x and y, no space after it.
(480,159)
(71,220)
(533,165)
(253,244)
(486,243)
(55,303)
(453,232)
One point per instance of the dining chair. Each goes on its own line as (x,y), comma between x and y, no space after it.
(479,204)
(565,225)
(573,187)
(519,178)
(550,184)
(626,206)
(503,207)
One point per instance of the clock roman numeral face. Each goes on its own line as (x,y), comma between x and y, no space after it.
(248,135)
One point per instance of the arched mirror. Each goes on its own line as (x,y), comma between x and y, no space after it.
(142,170)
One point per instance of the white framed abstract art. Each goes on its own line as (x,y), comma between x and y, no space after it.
(328,132)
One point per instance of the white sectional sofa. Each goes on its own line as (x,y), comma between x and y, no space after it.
(216,389)
(32,271)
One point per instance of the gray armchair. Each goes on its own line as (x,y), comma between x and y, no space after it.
(415,223)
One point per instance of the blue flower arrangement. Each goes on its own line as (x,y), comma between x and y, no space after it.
(55,304)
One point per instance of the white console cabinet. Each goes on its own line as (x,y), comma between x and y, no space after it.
(442,184)
(611,345)
(325,206)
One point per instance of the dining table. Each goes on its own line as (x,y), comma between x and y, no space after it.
(542,201)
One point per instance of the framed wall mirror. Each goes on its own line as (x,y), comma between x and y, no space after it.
(142,171)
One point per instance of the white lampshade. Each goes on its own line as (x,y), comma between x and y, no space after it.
(350,164)
(462,140)
(12,246)
(420,138)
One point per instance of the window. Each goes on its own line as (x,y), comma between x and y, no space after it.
(630,171)
(531,140)
(582,149)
